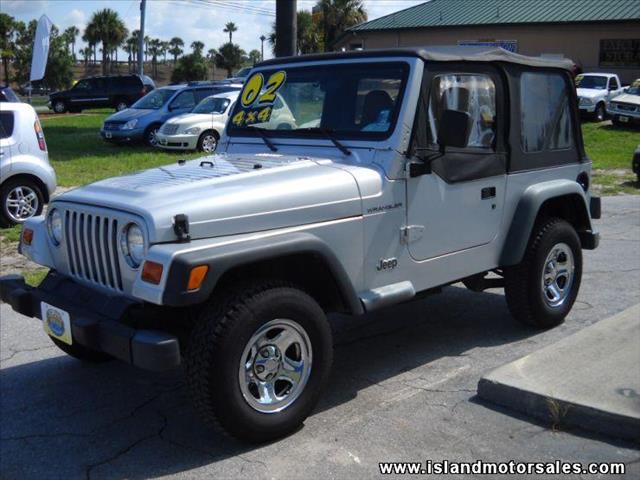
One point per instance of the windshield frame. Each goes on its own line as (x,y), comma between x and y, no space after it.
(315,134)
(153,92)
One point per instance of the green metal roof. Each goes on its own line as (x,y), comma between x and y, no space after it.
(450,13)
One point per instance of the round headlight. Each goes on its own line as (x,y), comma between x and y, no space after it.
(54,226)
(132,245)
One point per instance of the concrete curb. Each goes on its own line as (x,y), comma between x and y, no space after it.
(589,380)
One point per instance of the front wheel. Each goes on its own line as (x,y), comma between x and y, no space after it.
(59,106)
(208,142)
(151,135)
(541,290)
(600,113)
(258,360)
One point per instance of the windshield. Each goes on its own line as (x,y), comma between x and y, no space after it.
(591,81)
(243,72)
(634,90)
(154,100)
(212,105)
(349,100)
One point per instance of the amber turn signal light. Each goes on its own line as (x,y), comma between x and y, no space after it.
(27,236)
(152,272)
(196,277)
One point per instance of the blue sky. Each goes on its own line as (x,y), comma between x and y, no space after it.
(189,19)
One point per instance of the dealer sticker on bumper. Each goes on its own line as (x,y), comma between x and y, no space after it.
(56,322)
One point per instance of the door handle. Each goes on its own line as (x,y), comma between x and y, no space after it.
(488,192)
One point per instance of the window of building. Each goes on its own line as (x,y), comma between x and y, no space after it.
(474,94)
(545,117)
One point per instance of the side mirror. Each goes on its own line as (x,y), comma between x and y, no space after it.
(454,129)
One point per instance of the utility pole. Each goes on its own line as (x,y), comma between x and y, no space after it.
(286,28)
(262,39)
(143,5)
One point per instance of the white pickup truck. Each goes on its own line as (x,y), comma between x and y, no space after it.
(595,90)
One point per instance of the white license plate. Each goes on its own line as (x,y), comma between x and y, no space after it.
(623,119)
(56,322)
(107,135)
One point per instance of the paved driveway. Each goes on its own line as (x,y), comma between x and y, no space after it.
(403,388)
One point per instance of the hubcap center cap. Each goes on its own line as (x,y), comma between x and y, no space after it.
(267,363)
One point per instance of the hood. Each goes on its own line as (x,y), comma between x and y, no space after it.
(189,118)
(627,98)
(590,92)
(128,114)
(229,194)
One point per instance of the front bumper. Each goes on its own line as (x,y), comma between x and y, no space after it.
(122,136)
(587,108)
(96,320)
(177,142)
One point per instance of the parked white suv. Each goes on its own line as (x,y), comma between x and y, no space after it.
(201,128)
(27,179)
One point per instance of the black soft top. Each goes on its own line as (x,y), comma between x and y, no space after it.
(434,54)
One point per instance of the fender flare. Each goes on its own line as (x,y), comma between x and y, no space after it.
(221,259)
(524,218)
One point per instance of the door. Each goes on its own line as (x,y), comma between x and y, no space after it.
(457,203)
(7,121)
(89,93)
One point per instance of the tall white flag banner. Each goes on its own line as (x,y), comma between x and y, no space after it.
(40,49)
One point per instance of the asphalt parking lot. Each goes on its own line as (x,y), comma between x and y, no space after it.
(403,389)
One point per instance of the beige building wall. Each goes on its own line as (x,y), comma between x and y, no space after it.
(579,42)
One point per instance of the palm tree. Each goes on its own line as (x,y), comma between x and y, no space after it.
(71,33)
(197,47)
(176,44)
(212,53)
(164,48)
(90,37)
(130,48)
(338,15)
(135,42)
(230,28)
(147,40)
(110,30)
(86,54)
(155,49)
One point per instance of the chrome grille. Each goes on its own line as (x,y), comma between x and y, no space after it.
(92,248)
(169,128)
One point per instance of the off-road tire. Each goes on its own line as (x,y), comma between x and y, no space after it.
(5,219)
(523,290)
(80,352)
(216,346)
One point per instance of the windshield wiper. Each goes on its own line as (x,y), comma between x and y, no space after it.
(329,135)
(265,139)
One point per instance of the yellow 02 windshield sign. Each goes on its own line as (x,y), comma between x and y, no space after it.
(251,95)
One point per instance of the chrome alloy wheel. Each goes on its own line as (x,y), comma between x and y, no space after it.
(22,203)
(275,366)
(209,143)
(558,275)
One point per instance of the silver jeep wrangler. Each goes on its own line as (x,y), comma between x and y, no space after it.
(345,182)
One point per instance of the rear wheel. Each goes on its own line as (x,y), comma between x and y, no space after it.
(121,105)
(20,199)
(541,290)
(258,360)
(208,142)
